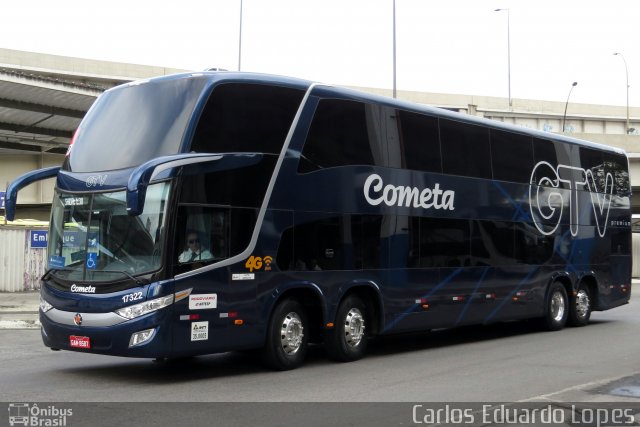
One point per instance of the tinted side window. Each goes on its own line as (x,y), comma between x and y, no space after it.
(344,133)
(492,243)
(591,160)
(332,243)
(620,241)
(366,232)
(317,245)
(543,151)
(530,246)
(444,242)
(465,149)
(246,118)
(511,156)
(207,234)
(234,187)
(420,142)
(616,165)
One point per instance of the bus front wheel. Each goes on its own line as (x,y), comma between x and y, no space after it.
(287,336)
(347,340)
(556,307)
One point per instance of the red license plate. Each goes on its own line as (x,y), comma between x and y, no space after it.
(79,342)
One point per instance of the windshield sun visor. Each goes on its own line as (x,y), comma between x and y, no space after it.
(197,162)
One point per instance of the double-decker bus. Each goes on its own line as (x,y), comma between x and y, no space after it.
(208,212)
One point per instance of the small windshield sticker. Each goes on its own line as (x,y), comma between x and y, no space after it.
(203,301)
(74,201)
(92,260)
(56,261)
(199,331)
(78,255)
(243,276)
(92,240)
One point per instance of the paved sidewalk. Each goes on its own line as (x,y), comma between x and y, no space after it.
(19,310)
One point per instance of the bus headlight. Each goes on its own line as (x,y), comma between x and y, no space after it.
(44,305)
(137,310)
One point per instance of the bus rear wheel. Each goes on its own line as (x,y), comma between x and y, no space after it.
(556,307)
(287,337)
(347,341)
(580,310)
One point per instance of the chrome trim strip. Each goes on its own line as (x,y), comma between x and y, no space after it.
(265,202)
(88,319)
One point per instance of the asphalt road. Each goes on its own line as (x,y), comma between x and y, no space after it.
(499,363)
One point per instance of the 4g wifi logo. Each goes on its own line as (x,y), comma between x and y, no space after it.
(256,263)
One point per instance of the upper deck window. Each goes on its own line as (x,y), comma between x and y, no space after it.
(420,142)
(511,156)
(465,149)
(346,133)
(134,123)
(250,118)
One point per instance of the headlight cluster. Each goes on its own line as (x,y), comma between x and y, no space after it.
(44,305)
(143,308)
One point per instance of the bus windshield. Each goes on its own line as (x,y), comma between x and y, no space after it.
(94,239)
(134,123)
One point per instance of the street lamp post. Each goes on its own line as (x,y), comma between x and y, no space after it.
(394,48)
(508,51)
(240,40)
(626,70)
(574,84)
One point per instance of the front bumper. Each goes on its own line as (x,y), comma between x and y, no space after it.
(108,333)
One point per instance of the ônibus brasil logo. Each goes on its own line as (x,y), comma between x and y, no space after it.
(27,414)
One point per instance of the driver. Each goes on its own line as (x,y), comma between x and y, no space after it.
(193,250)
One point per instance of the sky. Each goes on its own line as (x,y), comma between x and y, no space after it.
(444,46)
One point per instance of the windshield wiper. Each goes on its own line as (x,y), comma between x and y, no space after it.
(47,274)
(138,281)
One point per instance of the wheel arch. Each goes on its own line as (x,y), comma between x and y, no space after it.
(590,281)
(371,295)
(564,279)
(306,293)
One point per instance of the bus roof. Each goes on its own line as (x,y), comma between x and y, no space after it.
(327,90)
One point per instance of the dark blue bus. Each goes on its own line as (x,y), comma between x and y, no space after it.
(207,212)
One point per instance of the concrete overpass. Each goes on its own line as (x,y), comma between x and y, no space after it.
(44,97)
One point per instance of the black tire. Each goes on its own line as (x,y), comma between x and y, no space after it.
(347,340)
(556,307)
(580,308)
(287,336)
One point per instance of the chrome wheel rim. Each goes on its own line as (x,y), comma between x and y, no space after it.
(291,333)
(354,327)
(583,303)
(557,306)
